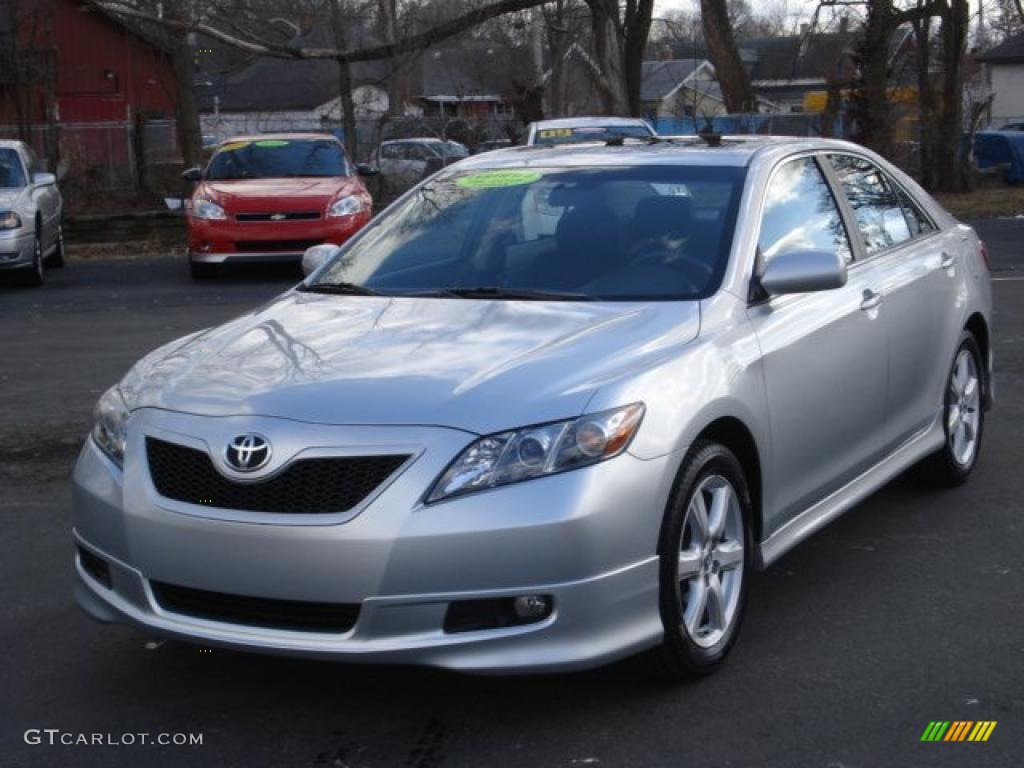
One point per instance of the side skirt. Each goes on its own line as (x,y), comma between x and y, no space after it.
(828,509)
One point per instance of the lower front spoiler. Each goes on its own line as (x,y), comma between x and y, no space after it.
(595,621)
(246,258)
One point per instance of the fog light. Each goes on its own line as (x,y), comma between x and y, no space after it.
(531,606)
(496,613)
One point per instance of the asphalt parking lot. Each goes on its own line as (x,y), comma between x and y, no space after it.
(907,610)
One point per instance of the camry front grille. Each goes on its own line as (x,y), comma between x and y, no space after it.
(306,486)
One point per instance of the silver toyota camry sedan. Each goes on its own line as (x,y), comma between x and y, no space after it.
(555,406)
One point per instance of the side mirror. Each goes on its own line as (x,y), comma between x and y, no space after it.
(803,272)
(193,174)
(317,256)
(43,179)
(365,169)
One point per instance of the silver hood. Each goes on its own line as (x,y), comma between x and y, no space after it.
(476,365)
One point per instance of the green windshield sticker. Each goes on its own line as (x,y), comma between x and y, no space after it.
(271,143)
(495,179)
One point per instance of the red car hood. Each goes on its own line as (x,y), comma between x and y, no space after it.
(300,194)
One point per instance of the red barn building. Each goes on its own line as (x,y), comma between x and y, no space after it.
(69,69)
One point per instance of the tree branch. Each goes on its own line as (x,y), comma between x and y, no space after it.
(408,44)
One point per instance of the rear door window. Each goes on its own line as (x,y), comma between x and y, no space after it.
(876,207)
(917,219)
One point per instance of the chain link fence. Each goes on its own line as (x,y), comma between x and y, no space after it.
(772,123)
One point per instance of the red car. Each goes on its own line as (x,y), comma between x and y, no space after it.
(272,196)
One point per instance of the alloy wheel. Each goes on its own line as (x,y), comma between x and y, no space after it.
(710,570)
(963,406)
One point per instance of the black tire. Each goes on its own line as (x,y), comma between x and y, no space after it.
(56,259)
(680,656)
(944,468)
(35,273)
(202,271)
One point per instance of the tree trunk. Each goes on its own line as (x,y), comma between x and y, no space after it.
(345,103)
(388,12)
(348,110)
(873,128)
(926,104)
(950,172)
(609,54)
(186,110)
(725,56)
(833,103)
(639,15)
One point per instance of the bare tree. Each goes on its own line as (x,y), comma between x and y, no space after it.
(620,35)
(732,75)
(225,22)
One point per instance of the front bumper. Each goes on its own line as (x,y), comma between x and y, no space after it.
(219,241)
(17,248)
(586,538)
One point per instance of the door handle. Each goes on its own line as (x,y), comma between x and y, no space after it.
(948,260)
(871,299)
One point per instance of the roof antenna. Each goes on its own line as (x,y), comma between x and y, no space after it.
(707,133)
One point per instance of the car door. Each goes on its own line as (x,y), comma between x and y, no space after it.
(917,266)
(37,194)
(824,354)
(388,163)
(417,155)
(46,199)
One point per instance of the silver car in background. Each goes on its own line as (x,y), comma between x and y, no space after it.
(403,163)
(31,236)
(553,407)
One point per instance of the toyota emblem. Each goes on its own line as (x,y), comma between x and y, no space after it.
(248,452)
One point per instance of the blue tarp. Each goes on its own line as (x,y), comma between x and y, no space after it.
(998,147)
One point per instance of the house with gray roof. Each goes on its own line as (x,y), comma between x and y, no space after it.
(680,88)
(272,94)
(473,80)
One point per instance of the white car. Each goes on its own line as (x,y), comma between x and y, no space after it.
(571,130)
(31,237)
(406,162)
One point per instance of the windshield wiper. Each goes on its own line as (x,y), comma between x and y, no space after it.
(344,289)
(497,292)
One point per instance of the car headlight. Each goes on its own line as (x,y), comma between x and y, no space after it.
(346,206)
(545,449)
(9,220)
(207,209)
(110,417)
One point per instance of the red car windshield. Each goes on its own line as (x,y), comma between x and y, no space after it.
(277,158)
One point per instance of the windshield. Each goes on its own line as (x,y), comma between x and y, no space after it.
(589,133)
(11,172)
(277,158)
(454,149)
(621,233)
